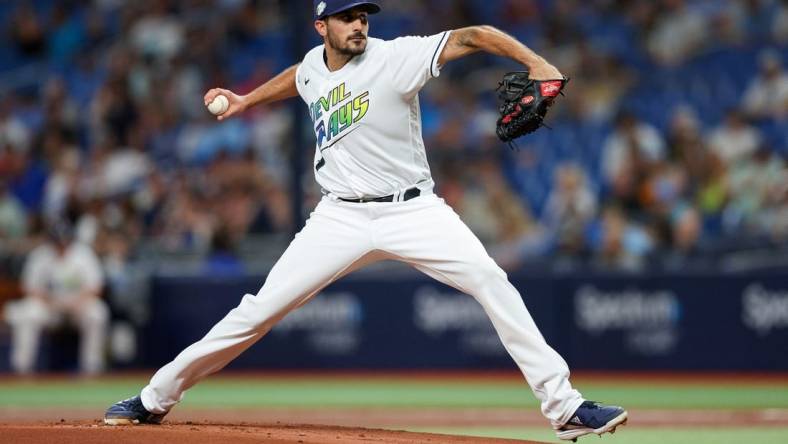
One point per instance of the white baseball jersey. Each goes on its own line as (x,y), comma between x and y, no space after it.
(366,116)
(66,276)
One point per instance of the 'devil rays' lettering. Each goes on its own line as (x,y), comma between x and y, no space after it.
(343,112)
(336,96)
(360,106)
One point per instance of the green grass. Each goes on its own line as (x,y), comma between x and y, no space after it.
(316,392)
(400,392)
(634,435)
(706,396)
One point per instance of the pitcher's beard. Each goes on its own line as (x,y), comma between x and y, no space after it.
(346,48)
(353,51)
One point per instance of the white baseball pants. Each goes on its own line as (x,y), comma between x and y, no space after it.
(341,237)
(29,317)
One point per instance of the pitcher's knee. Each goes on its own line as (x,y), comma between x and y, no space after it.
(260,312)
(485,274)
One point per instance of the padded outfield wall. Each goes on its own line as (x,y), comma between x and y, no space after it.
(677,321)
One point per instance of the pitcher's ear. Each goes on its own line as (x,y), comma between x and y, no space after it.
(321,27)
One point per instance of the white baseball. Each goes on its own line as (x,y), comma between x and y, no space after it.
(218,105)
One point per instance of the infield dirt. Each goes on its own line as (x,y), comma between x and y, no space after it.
(181,433)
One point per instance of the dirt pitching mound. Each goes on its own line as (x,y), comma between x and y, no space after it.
(207,433)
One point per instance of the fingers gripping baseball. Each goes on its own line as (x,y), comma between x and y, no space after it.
(234,105)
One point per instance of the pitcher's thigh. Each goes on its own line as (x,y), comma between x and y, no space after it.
(437,242)
(325,249)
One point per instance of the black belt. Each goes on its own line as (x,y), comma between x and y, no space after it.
(409,194)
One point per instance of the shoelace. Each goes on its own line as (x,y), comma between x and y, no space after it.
(130,402)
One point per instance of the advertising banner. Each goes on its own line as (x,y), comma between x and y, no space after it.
(610,321)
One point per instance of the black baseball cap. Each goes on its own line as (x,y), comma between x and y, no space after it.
(324,8)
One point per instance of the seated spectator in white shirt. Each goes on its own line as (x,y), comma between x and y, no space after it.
(62,280)
(735,139)
(767,95)
(679,32)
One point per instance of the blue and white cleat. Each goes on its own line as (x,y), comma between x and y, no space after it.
(129,412)
(592,417)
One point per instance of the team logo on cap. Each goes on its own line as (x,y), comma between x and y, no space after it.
(321,7)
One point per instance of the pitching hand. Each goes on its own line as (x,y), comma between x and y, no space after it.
(237,103)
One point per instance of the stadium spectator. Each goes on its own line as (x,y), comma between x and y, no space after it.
(664,188)
(627,156)
(13,218)
(14,135)
(112,111)
(618,242)
(726,28)
(687,146)
(767,94)
(680,236)
(679,32)
(66,33)
(570,207)
(518,236)
(735,140)
(705,173)
(599,81)
(186,221)
(157,33)
(62,183)
(757,187)
(61,113)
(62,280)
(222,259)
(686,229)
(123,170)
(27,31)
(476,188)
(779,26)
(26,175)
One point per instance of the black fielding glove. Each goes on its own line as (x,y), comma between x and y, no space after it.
(524,103)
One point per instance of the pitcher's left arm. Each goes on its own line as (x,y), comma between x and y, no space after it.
(466,41)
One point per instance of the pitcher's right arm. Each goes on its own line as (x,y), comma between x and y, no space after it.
(280,87)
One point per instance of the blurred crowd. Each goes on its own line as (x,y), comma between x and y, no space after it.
(112,135)
(102,125)
(670,148)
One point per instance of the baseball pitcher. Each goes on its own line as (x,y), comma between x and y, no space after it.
(378,203)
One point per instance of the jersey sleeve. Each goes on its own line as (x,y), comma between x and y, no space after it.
(303,71)
(412,61)
(300,79)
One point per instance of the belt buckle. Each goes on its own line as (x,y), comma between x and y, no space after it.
(405,196)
